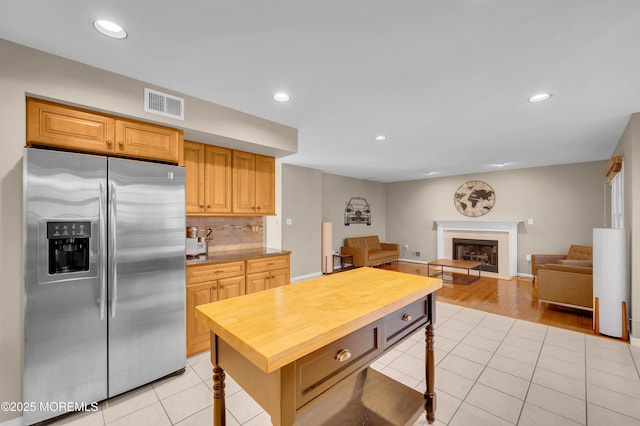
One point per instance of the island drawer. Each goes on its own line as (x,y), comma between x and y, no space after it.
(214,271)
(321,369)
(267,263)
(405,321)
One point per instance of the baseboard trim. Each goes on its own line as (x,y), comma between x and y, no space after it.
(305,277)
(424,262)
(634,341)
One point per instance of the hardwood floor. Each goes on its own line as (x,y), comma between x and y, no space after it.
(512,298)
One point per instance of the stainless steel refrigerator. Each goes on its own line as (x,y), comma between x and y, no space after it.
(104,289)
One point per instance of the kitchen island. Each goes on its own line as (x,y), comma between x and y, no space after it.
(291,348)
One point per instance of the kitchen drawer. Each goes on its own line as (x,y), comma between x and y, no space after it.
(267,263)
(321,369)
(404,321)
(214,271)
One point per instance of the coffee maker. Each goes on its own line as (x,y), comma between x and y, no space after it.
(194,246)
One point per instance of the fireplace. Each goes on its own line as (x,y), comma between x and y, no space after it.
(483,251)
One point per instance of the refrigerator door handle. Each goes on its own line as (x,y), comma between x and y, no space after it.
(112,249)
(103,245)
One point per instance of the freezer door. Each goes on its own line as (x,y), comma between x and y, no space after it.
(65,325)
(146,309)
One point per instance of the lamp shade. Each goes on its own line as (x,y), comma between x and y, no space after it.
(610,278)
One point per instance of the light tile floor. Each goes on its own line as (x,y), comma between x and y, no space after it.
(490,370)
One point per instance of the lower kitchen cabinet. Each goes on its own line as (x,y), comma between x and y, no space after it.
(205,284)
(267,272)
(219,281)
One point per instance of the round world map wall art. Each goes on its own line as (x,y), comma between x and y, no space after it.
(474,198)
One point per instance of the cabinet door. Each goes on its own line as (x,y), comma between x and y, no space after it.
(148,141)
(257,282)
(265,185)
(244,182)
(194,157)
(217,178)
(64,127)
(197,331)
(230,287)
(279,278)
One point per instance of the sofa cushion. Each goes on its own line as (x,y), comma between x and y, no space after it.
(371,242)
(573,262)
(577,252)
(569,268)
(381,254)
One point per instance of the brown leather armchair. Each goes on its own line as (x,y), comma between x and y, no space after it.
(566,285)
(565,279)
(576,256)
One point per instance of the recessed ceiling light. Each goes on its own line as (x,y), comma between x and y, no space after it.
(430,173)
(500,164)
(540,97)
(281,97)
(110,29)
(380,138)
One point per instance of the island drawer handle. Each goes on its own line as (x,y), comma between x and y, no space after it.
(407,317)
(343,355)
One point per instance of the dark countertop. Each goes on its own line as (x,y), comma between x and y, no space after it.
(231,255)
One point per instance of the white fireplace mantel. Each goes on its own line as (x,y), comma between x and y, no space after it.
(510,227)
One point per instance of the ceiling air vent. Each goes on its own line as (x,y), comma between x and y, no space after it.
(163,104)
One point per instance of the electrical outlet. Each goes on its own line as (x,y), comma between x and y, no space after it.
(417,253)
(406,246)
(528,258)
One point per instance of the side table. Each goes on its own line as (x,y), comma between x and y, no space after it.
(346,262)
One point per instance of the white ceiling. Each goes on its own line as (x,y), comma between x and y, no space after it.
(447,81)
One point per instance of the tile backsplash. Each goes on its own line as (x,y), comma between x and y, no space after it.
(229,232)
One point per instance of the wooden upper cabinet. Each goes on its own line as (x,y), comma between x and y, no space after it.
(253,184)
(55,125)
(194,171)
(217,176)
(75,129)
(149,141)
(265,185)
(244,182)
(208,178)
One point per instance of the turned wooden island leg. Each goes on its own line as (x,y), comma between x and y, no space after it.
(219,409)
(430,371)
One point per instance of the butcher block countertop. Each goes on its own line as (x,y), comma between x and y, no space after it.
(232,255)
(273,328)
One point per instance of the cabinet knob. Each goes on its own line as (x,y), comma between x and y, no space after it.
(208,206)
(258,207)
(121,145)
(407,317)
(109,144)
(343,355)
(201,206)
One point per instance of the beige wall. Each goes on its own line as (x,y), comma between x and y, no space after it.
(565,203)
(310,197)
(26,71)
(336,192)
(629,148)
(302,204)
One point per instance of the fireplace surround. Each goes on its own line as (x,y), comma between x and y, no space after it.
(504,231)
